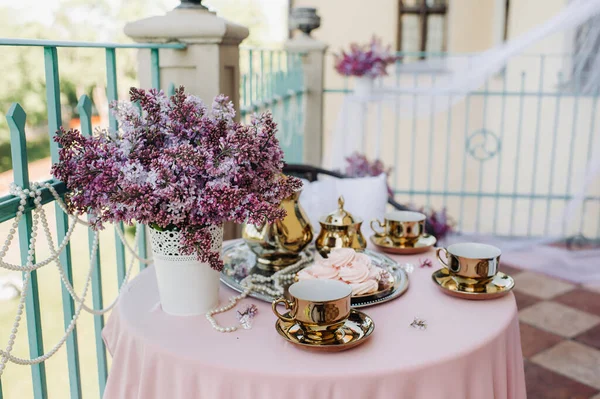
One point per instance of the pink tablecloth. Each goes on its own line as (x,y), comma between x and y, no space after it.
(471,350)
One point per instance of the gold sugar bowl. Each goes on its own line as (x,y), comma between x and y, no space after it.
(340,229)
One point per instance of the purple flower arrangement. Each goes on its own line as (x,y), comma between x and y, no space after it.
(369,60)
(175,165)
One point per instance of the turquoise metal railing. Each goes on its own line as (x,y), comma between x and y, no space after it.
(507,159)
(273,80)
(16,118)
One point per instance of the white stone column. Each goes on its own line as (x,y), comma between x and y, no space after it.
(313,60)
(207,67)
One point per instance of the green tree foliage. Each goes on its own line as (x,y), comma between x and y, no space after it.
(82,71)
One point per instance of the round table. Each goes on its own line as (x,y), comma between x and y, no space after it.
(470,349)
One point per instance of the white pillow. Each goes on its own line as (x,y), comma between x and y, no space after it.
(364,197)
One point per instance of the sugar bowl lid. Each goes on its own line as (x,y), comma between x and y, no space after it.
(340,217)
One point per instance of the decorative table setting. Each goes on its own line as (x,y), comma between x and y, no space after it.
(455,348)
(350,321)
(292,309)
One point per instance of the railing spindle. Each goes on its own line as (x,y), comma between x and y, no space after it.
(155,68)
(464,163)
(431,130)
(448,142)
(396,128)
(481,163)
(414,137)
(500,155)
(262,75)
(85,115)
(16,122)
(536,144)
(569,176)
(250,77)
(518,152)
(62,221)
(553,154)
(271,74)
(111,93)
(590,145)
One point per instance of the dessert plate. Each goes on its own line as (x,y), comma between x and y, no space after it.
(497,287)
(355,331)
(239,262)
(385,244)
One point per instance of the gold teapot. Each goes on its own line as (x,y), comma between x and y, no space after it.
(340,229)
(279,244)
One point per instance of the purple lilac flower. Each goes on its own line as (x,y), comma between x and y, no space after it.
(368,60)
(176,165)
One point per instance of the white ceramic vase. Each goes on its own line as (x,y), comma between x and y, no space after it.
(363,86)
(186,286)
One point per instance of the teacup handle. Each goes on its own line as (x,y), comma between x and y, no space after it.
(382,225)
(288,305)
(437,253)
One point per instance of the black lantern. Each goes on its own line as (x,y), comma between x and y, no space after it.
(191,4)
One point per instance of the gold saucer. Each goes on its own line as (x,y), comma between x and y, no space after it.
(356,330)
(499,286)
(385,244)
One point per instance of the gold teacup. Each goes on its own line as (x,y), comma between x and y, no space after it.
(401,227)
(319,307)
(473,262)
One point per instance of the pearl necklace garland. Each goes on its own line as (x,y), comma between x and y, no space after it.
(35,192)
(251,283)
(254,282)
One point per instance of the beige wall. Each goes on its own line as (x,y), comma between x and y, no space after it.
(346,21)
(470,25)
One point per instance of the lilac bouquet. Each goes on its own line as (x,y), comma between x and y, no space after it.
(175,165)
(368,60)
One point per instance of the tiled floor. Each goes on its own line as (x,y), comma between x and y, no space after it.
(560,336)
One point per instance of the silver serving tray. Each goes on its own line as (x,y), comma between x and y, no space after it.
(239,262)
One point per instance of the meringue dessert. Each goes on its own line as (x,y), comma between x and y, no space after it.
(350,267)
